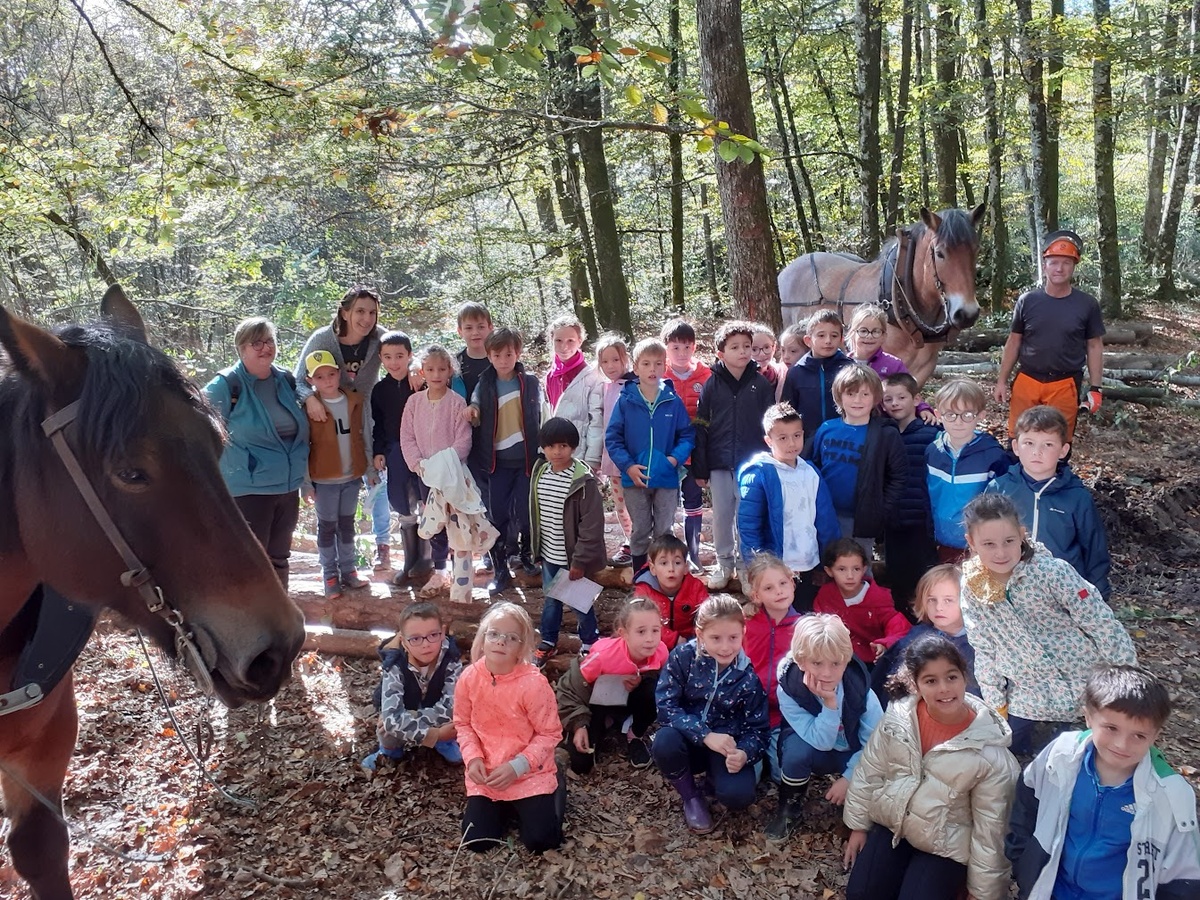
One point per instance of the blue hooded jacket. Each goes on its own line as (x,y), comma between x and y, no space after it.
(695,699)
(809,388)
(646,433)
(955,482)
(761,516)
(1062,515)
(256,461)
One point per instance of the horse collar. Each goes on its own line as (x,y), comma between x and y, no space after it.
(904,287)
(136,575)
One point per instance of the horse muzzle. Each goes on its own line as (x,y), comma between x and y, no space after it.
(963,312)
(249,666)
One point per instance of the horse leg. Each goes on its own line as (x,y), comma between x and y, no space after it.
(38,838)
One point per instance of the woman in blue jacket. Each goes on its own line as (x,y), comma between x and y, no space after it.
(266,458)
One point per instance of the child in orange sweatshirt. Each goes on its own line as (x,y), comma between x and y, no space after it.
(506,718)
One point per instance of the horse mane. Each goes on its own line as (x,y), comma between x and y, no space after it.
(955,231)
(114,405)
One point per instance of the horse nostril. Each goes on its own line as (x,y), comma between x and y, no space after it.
(264,673)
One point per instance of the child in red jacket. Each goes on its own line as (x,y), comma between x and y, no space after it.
(769,637)
(676,592)
(506,718)
(865,607)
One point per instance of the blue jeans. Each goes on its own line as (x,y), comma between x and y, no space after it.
(448,750)
(552,613)
(800,760)
(508,498)
(676,756)
(376,503)
(335,505)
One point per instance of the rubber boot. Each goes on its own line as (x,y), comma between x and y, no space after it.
(695,808)
(417,564)
(501,576)
(791,803)
(691,536)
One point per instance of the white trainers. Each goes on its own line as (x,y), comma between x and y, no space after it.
(720,579)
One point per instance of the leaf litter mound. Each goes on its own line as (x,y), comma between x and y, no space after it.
(324,828)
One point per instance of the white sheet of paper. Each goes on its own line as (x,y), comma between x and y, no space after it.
(579,595)
(609,690)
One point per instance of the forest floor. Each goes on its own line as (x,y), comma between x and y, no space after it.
(323,828)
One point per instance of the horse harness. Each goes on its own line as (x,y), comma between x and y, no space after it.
(63,628)
(895,290)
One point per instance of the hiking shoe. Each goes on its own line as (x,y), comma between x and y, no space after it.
(696,815)
(720,579)
(353,582)
(528,566)
(639,752)
(437,583)
(485,564)
(383,557)
(333,587)
(621,558)
(584,650)
(542,655)
(501,581)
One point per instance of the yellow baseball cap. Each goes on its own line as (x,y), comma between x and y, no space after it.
(318,359)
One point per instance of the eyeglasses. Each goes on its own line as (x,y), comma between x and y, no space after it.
(432,638)
(967,417)
(869,332)
(503,638)
(264,342)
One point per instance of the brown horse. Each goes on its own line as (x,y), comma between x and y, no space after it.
(924,280)
(110,495)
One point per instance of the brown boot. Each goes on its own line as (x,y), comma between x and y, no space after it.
(383,557)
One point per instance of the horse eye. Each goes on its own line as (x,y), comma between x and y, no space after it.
(941,255)
(132,477)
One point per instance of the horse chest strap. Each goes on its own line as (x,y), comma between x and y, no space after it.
(61,631)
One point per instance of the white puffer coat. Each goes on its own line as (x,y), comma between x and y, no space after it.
(583,404)
(953,802)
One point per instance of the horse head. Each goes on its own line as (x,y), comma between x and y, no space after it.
(947,247)
(149,446)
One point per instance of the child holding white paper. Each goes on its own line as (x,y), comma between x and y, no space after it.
(614,685)
(566,517)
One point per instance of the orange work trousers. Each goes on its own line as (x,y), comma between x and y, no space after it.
(1028,392)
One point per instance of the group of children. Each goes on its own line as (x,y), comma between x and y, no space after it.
(810,465)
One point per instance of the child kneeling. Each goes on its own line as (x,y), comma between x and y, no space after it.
(508,727)
(1100,813)
(929,800)
(829,713)
(712,713)
(421,665)
(636,655)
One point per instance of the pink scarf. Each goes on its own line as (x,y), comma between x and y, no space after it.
(562,374)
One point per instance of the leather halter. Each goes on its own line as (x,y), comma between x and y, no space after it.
(136,575)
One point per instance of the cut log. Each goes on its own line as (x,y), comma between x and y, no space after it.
(344,641)
(976,340)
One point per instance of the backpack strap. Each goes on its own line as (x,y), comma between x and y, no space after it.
(235,385)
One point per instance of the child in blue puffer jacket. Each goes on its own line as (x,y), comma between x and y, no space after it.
(712,713)
(649,435)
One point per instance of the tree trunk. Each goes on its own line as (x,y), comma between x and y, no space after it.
(584,271)
(1039,173)
(1054,107)
(814,210)
(1181,168)
(895,183)
(1104,138)
(581,300)
(675,151)
(997,281)
(743,189)
(945,119)
(773,73)
(924,62)
(710,251)
(868,40)
(1161,94)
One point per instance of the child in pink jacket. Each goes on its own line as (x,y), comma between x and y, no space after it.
(506,718)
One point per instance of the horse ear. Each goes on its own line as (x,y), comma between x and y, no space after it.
(34,351)
(119,309)
(931,219)
(977,216)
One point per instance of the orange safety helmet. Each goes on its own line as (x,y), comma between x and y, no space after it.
(1063,243)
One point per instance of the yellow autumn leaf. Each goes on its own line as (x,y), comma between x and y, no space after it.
(633,95)
(657,57)
(660,114)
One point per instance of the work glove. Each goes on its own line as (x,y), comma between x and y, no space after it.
(1093,400)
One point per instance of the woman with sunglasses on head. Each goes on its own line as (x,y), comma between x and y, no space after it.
(266,458)
(353,337)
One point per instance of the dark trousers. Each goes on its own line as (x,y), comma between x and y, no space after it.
(806,590)
(676,757)
(539,822)
(439,544)
(800,760)
(272,519)
(640,706)
(909,554)
(508,503)
(1030,736)
(883,872)
(402,485)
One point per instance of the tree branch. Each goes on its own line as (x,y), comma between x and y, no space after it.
(85,246)
(113,71)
